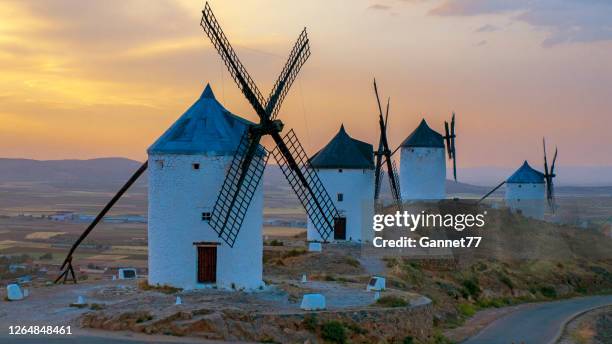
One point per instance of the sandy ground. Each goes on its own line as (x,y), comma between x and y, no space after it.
(50,305)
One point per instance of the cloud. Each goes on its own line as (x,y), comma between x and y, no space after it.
(99,24)
(566,21)
(379,7)
(487,28)
(481,43)
(477,7)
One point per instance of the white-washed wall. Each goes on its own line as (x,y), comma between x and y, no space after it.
(178,195)
(422,173)
(528,198)
(357,187)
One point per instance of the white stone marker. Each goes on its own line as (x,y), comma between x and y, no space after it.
(178,301)
(314,247)
(377,283)
(127,273)
(14,293)
(80,300)
(313,302)
(304,280)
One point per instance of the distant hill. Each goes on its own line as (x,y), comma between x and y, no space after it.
(93,174)
(111,173)
(566,175)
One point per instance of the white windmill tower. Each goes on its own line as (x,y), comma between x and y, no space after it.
(346,168)
(187,166)
(527,189)
(423,163)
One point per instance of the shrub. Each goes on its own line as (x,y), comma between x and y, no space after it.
(548,292)
(471,287)
(497,302)
(310,322)
(356,329)
(506,280)
(46,256)
(144,317)
(466,309)
(352,261)
(78,305)
(333,331)
(391,301)
(329,278)
(96,307)
(408,340)
(166,289)
(276,243)
(294,252)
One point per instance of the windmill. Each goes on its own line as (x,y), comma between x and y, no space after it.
(249,159)
(548,177)
(384,152)
(450,143)
(527,175)
(423,162)
(247,166)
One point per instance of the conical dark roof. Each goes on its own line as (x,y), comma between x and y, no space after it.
(205,128)
(344,151)
(526,174)
(424,136)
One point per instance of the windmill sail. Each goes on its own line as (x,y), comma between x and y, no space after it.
(548,176)
(238,189)
(233,200)
(310,190)
(384,152)
(450,143)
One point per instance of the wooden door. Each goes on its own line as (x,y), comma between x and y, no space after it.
(207,264)
(340,228)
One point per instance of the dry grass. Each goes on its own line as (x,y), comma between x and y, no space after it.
(166,289)
(283,231)
(43,235)
(584,334)
(106,257)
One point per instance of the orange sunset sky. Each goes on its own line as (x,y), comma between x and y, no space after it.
(86,79)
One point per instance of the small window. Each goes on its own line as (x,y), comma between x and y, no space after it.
(159,164)
(340,197)
(206,216)
(520,185)
(196,166)
(340,170)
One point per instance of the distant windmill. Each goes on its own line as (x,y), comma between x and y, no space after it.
(423,162)
(385,152)
(527,187)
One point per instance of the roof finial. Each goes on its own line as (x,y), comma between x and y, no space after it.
(208,93)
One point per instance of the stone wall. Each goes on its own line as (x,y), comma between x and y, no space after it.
(371,325)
